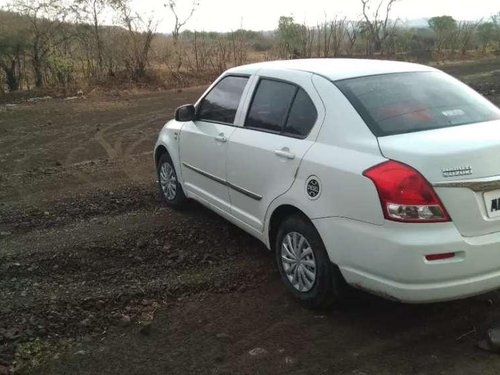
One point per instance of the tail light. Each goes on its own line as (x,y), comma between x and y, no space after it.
(405,194)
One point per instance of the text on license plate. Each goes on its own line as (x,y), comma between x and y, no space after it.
(492,202)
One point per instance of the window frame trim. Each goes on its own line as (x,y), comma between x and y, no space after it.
(214,85)
(282,132)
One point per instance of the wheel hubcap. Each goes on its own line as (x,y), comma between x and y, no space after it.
(298,261)
(168,181)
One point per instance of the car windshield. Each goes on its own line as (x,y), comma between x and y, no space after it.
(408,102)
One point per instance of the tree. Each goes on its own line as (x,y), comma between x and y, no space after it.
(239,46)
(45,19)
(465,32)
(291,41)
(444,27)
(330,37)
(90,11)
(179,23)
(13,45)
(140,36)
(378,26)
(11,49)
(337,35)
(352,31)
(495,19)
(486,33)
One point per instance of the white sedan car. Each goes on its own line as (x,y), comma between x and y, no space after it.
(378,174)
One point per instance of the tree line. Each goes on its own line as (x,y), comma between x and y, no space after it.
(66,44)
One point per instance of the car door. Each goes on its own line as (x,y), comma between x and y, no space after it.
(203,142)
(264,155)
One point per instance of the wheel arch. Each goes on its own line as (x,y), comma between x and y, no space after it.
(168,142)
(277,216)
(159,151)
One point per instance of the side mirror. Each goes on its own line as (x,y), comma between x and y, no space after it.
(185,113)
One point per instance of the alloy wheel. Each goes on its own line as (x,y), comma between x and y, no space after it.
(168,181)
(298,261)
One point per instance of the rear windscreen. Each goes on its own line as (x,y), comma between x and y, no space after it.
(408,102)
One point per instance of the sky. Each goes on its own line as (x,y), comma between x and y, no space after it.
(228,15)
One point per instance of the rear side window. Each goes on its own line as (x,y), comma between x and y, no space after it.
(281,107)
(221,103)
(270,105)
(408,102)
(302,115)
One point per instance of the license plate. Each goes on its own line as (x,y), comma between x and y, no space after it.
(492,202)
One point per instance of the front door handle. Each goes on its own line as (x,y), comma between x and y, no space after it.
(221,138)
(285,153)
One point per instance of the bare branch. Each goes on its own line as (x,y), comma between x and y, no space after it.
(179,23)
(378,26)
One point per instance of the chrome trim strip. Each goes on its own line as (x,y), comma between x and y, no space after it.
(480,184)
(206,174)
(239,189)
(248,193)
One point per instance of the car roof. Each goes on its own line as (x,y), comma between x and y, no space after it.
(334,69)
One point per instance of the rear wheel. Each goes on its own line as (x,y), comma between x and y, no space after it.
(170,188)
(304,265)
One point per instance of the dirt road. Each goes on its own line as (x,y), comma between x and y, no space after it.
(96,277)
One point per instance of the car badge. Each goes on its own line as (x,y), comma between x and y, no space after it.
(455,172)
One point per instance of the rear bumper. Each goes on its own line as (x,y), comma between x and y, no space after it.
(389,260)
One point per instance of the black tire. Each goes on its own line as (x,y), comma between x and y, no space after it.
(179,199)
(329,286)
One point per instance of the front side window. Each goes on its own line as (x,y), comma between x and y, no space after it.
(221,103)
(281,107)
(399,103)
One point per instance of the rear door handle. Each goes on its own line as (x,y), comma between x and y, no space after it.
(221,138)
(285,153)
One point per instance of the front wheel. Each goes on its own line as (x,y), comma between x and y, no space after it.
(170,188)
(304,265)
